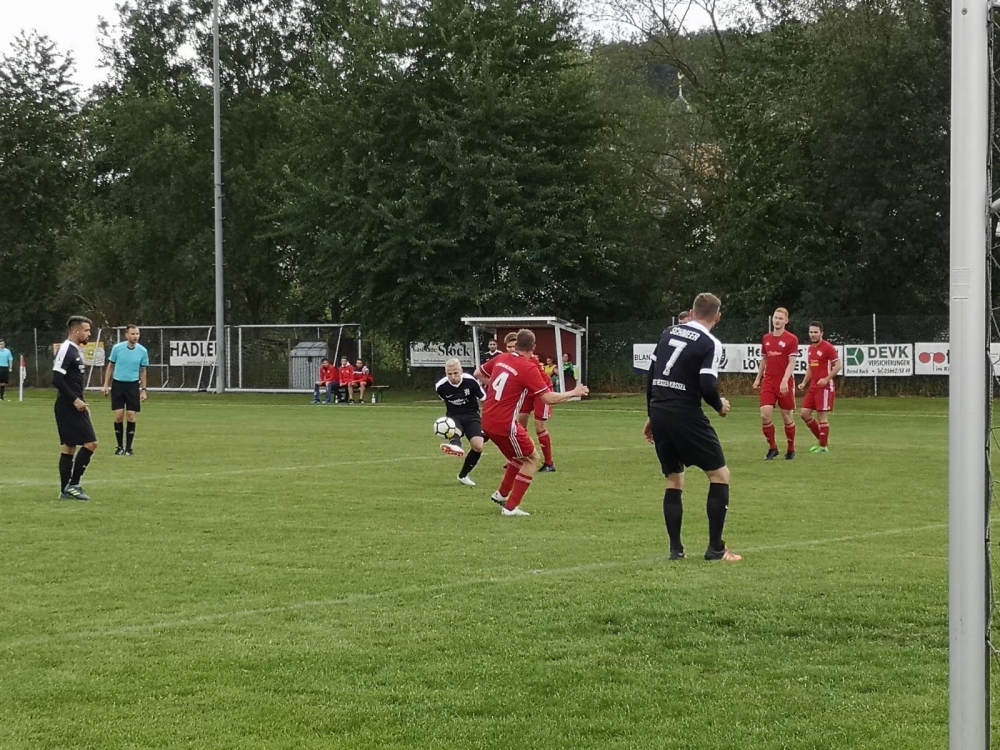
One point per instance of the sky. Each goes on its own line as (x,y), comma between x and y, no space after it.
(71,24)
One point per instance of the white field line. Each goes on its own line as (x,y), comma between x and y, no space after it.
(433,589)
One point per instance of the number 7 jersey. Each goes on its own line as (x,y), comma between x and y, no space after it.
(684,354)
(512,378)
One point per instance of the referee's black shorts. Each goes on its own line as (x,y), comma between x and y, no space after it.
(471,425)
(75,427)
(125,396)
(685,437)
(4,375)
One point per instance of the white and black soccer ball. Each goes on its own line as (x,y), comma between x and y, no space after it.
(445,427)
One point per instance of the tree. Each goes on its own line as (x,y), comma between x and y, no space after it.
(39,173)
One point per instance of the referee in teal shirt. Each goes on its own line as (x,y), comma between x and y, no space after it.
(6,363)
(125,380)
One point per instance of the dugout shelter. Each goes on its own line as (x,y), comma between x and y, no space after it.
(553,337)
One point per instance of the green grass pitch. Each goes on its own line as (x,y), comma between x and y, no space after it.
(270,574)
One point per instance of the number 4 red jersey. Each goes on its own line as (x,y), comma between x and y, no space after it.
(513,377)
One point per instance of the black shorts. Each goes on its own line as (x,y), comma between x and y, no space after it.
(125,396)
(75,427)
(4,375)
(685,438)
(471,425)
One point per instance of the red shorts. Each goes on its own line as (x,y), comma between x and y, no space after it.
(770,395)
(819,399)
(514,446)
(542,410)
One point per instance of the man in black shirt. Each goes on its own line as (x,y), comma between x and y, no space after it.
(72,412)
(491,350)
(684,372)
(462,393)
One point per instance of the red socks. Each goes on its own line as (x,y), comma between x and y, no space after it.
(513,468)
(521,484)
(769,434)
(813,426)
(790,436)
(824,434)
(545,439)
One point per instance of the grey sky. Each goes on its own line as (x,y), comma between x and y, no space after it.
(71,24)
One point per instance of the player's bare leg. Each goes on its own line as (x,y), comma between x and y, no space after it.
(788,417)
(767,427)
(673,513)
(717,508)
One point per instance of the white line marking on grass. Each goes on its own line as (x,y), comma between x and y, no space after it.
(130,630)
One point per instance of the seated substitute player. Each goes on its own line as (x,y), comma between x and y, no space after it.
(512,377)
(824,365)
(345,376)
(6,363)
(543,413)
(72,412)
(125,380)
(328,379)
(462,393)
(361,378)
(683,372)
(779,353)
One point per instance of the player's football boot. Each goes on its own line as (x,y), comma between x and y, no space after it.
(467,481)
(547,468)
(129,452)
(677,554)
(771,454)
(498,498)
(119,451)
(74,492)
(452,450)
(819,449)
(515,512)
(790,456)
(722,554)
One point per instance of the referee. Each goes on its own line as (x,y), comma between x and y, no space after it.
(682,373)
(125,380)
(72,412)
(6,363)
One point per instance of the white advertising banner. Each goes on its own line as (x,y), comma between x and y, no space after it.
(436,354)
(192,353)
(736,358)
(878,360)
(935,358)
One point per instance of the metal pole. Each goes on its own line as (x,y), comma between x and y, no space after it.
(38,377)
(239,354)
(220,312)
(968,485)
(875,341)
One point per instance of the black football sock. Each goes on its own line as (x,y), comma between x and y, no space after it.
(673,514)
(471,459)
(119,429)
(80,465)
(717,507)
(129,435)
(65,469)
(3,390)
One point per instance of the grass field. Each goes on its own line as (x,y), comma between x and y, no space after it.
(270,574)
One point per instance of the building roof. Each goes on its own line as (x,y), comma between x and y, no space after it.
(523,322)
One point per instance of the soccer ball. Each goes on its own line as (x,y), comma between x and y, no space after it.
(445,427)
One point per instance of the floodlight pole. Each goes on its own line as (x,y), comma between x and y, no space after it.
(968,395)
(220,312)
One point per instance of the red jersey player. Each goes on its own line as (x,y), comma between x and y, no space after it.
(824,364)
(543,413)
(777,363)
(512,377)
